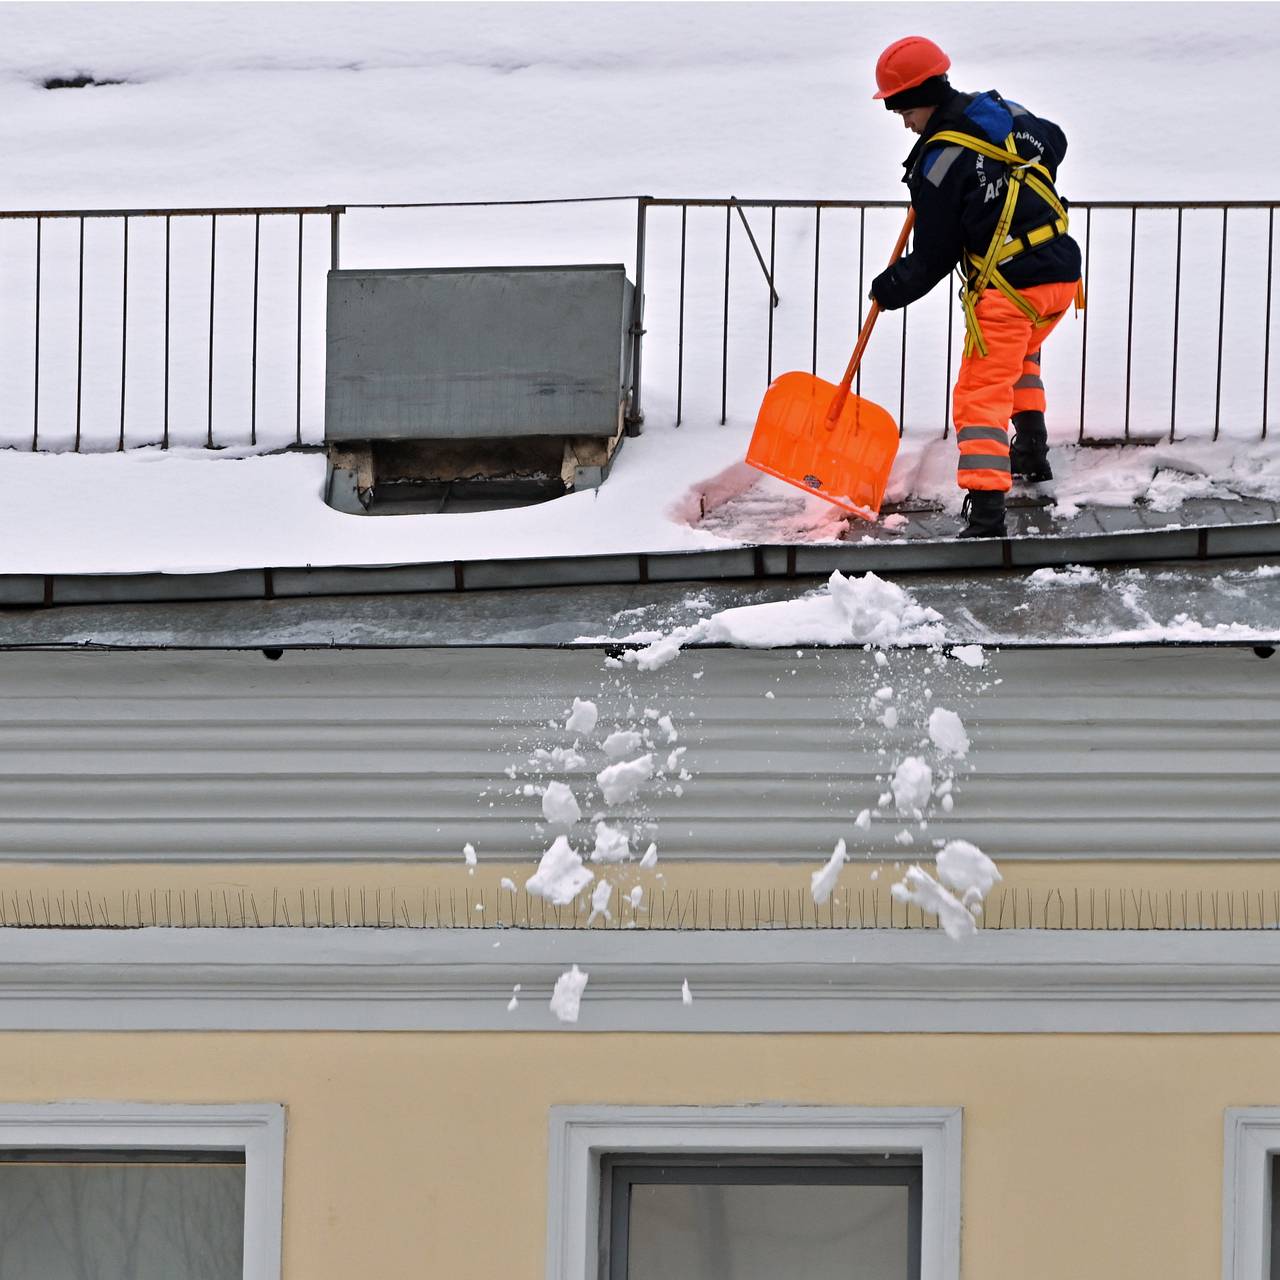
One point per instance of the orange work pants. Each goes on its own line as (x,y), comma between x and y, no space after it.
(990,389)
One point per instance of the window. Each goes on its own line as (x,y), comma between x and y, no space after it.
(758,1218)
(1250,1197)
(647,1193)
(140,1192)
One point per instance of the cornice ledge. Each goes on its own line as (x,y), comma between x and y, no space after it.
(760,981)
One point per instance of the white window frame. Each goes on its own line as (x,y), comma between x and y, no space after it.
(581,1136)
(257,1129)
(1252,1137)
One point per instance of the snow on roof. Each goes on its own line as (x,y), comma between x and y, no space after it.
(1225,602)
(670,490)
(317,103)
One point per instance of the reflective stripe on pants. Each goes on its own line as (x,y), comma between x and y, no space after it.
(990,389)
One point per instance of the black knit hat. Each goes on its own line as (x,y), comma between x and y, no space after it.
(932,92)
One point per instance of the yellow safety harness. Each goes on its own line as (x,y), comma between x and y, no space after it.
(984,269)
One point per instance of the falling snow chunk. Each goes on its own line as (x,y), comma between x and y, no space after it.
(623,742)
(964,868)
(582,719)
(823,881)
(650,859)
(514,1003)
(863,820)
(946,729)
(912,784)
(890,718)
(919,887)
(620,782)
(768,693)
(611,844)
(558,805)
(469,853)
(972,655)
(884,694)
(685,994)
(600,896)
(562,758)
(904,837)
(881,660)
(636,897)
(667,727)
(560,876)
(508,883)
(567,996)
(948,802)
(613,663)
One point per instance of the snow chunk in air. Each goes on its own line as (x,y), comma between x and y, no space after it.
(582,719)
(964,868)
(912,785)
(600,896)
(558,805)
(822,882)
(918,886)
(946,730)
(567,996)
(621,743)
(560,876)
(611,844)
(620,782)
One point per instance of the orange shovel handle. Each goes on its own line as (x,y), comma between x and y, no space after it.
(842,392)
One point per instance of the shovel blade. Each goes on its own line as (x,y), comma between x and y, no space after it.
(847,462)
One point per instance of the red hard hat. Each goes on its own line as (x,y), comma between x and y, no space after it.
(907,63)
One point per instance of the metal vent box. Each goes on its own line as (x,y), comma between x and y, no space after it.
(466,353)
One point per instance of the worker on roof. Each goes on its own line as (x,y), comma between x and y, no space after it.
(981,179)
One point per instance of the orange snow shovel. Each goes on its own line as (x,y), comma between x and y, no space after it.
(818,437)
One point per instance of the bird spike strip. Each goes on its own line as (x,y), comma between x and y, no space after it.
(383,907)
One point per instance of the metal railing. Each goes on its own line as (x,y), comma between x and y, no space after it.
(156,272)
(1136,277)
(116,336)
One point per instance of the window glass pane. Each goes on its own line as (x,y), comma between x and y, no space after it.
(763,1232)
(99,1218)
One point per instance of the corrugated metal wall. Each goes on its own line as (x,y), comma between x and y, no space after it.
(393,754)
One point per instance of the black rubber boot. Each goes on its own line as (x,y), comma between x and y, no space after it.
(1029,448)
(984,511)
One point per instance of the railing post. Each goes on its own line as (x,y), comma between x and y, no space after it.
(634,422)
(334,238)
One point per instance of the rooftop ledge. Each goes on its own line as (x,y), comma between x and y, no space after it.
(205,542)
